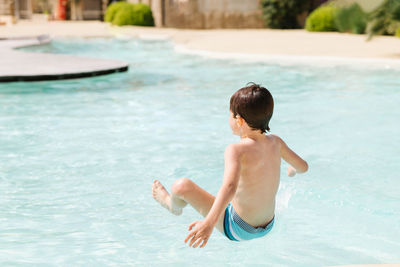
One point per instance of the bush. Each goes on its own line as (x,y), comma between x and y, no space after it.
(143,15)
(384,19)
(322,19)
(282,14)
(351,19)
(398,32)
(122,13)
(124,16)
(113,9)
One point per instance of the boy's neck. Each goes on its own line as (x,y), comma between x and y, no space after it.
(255,135)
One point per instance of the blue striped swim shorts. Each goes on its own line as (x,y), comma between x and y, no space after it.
(238,230)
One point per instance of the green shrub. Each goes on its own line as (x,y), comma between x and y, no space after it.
(396,11)
(143,15)
(398,32)
(134,14)
(322,19)
(282,14)
(351,19)
(384,19)
(113,9)
(124,16)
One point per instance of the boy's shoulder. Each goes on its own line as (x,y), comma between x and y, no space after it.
(274,136)
(234,148)
(240,147)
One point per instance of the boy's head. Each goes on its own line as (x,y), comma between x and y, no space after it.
(255,105)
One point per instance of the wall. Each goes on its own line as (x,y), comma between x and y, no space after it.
(205,14)
(5,7)
(41,6)
(24,8)
(92,9)
(88,9)
(208,14)
(183,14)
(231,14)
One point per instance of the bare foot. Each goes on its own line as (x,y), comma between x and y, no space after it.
(161,195)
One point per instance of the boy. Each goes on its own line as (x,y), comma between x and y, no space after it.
(244,207)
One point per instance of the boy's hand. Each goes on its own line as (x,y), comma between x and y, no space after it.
(291,171)
(201,233)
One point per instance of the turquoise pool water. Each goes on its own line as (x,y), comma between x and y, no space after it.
(78,158)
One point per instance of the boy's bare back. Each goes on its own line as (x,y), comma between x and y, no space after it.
(260,160)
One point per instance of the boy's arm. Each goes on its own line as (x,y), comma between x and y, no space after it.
(298,165)
(203,229)
(229,183)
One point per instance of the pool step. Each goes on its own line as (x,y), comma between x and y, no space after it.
(28,66)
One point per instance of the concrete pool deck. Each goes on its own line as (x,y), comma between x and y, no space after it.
(252,42)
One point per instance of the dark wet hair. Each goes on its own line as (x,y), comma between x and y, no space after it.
(255,105)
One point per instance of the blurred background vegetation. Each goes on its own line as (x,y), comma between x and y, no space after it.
(123,13)
(374,17)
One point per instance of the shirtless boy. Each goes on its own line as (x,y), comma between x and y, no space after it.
(244,207)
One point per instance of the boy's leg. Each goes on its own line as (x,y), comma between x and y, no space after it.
(185,191)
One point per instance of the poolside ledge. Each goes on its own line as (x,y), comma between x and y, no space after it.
(27,66)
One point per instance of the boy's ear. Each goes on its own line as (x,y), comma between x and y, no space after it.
(239,120)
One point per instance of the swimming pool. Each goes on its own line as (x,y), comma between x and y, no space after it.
(78,158)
